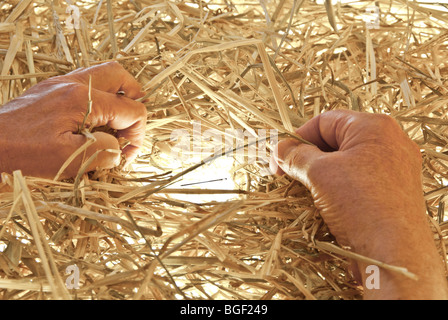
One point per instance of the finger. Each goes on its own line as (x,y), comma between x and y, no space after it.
(275,160)
(125,115)
(327,131)
(118,112)
(110,77)
(133,134)
(295,159)
(104,153)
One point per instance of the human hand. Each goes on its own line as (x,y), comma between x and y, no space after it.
(39,130)
(364,175)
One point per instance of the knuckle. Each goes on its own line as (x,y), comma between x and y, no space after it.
(385,121)
(384,125)
(77,90)
(112,64)
(317,170)
(77,96)
(314,172)
(390,127)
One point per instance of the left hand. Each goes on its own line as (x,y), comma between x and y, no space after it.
(39,130)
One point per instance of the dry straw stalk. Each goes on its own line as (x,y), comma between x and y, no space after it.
(162,229)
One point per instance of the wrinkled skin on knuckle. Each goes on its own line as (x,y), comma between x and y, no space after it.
(385,125)
(76,96)
(299,167)
(404,148)
(291,165)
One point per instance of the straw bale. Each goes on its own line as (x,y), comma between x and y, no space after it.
(217,227)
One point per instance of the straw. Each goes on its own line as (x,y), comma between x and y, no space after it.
(210,221)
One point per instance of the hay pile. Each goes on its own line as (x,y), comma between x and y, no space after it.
(162,229)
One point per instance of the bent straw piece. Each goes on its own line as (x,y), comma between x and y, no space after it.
(274,87)
(28,76)
(335,249)
(110,20)
(40,57)
(98,216)
(69,160)
(14,46)
(15,203)
(330,14)
(17,11)
(299,285)
(192,231)
(148,244)
(30,61)
(230,95)
(141,34)
(183,61)
(25,285)
(90,140)
(6,27)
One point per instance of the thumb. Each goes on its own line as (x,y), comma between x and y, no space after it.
(295,159)
(104,153)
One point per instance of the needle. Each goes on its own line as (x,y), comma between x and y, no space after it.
(193,183)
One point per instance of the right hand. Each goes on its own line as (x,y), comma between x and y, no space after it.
(359,161)
(364,174)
